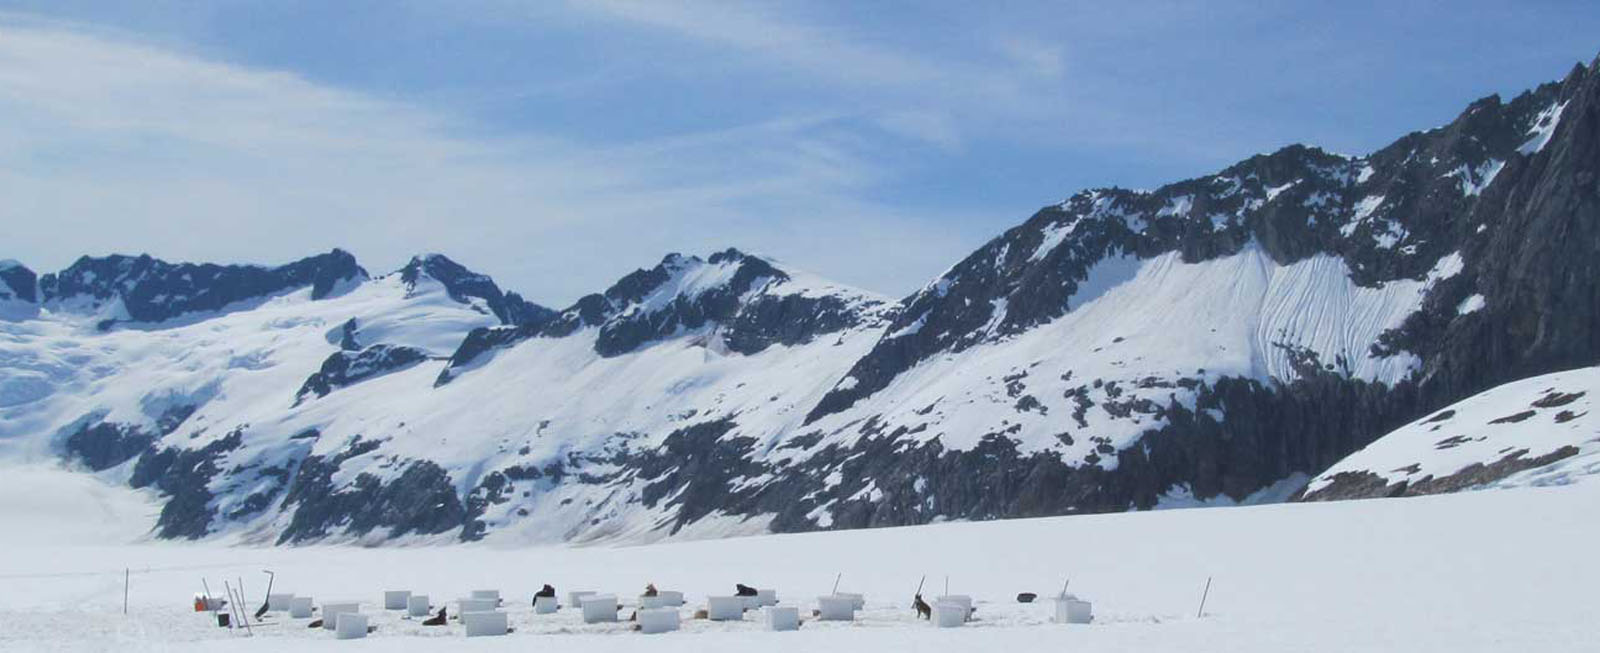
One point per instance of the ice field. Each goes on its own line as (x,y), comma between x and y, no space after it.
(1494,570)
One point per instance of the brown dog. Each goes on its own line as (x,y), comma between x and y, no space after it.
(923,609)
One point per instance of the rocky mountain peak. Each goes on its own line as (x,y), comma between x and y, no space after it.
(465,286)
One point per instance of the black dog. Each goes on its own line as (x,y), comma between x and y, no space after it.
(436,620)
(741,589)
(923,609)
(547,591)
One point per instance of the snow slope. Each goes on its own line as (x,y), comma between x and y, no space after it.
(1537,431)
(1459,573)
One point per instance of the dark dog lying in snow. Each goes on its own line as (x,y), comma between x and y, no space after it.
(438,619)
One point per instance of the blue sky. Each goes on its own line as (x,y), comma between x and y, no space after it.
(559,145)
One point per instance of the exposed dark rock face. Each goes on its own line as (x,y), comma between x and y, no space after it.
(152,290)
(420,500)
(103,445)
(184,475)
(344,368)
(17,282)
(463,285)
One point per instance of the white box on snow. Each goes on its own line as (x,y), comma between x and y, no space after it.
(331,612)
(478,605)
(396,599)
(485,624)
(949,614)
(575,599)
(836,608)
(279,602)
(545,605)
(725,608)
(658,620)
(487,594)
(352,625)
(417,605)
(1070,610)
(599,609)
(784,618)
(766,597)
(300,607)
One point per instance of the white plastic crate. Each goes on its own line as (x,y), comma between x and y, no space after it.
(396,599)
(766,597)
(545,605)
(836,608)
(279,602)
(1071,610)
(331,612)
(478,605)
(658,620)
(485,624)
(725,608)
(417,605)
(784,618)
(351,625)
(575,599)
(599,609)
(949,614)
(300,607)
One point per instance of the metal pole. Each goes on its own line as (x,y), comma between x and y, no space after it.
(836,583)
(1203,596)
(125,573)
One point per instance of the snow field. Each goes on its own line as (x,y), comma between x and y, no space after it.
(1477,571)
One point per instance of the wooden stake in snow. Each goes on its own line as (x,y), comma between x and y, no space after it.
(1064,587)
(125,573)
(836,583)
(1203,595)
(947,585)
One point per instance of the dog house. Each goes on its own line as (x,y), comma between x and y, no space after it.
(599,609)
(962,599)
(670,598)
(478,605)
(860,600)
(766,597)
(545,605)
(1070,610)
(836,608)
(485,624)
(331,612)
(300,607)
(653,602)
(396,599)
(725,608)
(658,620)
(575,599)
(352,625)
(487,594)
(949,614)
(779,619)
(279,602)
(417,605)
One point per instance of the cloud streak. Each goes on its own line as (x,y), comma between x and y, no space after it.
(118,145)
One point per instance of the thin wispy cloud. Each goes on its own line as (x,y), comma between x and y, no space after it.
(205,160)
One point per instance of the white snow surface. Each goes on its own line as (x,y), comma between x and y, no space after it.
(1482,571)
(1536,415)
(1544,127)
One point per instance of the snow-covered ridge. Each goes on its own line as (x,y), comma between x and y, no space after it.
(1542,430)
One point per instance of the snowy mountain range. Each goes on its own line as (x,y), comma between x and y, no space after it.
(1230,338)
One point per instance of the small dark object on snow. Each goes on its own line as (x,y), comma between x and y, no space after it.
(315,623)
(923,609)
(1026,597)
(650,590)
(436,620)
(741,589)
(223,621)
